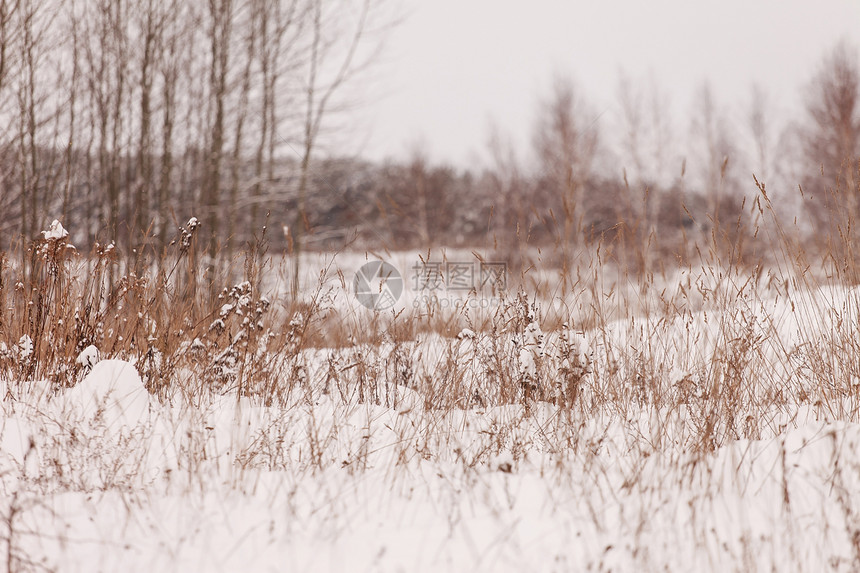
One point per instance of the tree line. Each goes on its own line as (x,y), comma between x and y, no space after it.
(125,118)
(639,180)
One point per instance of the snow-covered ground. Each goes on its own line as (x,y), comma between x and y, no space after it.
(647,471)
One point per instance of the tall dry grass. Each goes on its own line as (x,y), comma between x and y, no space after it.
(730,326)
(620,381)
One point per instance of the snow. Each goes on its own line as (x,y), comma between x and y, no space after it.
(55,232)
(25,347)
(105,476)
(112,391)
(241,507)
(466,333)
(88,357)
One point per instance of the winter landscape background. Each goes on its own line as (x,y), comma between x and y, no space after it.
(628,341)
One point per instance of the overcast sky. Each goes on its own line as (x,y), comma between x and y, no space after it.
(454,66)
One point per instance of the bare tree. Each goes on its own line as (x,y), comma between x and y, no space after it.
(714,151)
(280,26)
(660,121)
(9,36)
(509,186)
(832,134)
(759,122)
(35,109)
(633,144)
(250,44)
(161,110)
(332,62)
(566,143)
(643,142)
(219,36)
(106,72)
(170,63)
(150,21)
(73,83)
(634,147)
(419,181)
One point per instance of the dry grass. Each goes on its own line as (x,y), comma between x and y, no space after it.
(671,362)
(719,322)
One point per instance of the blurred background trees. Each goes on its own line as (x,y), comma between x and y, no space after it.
(125,119)
(831,133)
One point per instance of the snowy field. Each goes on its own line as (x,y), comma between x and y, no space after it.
(716,432)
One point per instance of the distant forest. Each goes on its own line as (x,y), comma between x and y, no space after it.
(124,119)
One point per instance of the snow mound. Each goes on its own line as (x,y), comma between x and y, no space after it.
(466,333)
(89,357)
(112,392)
(55,232)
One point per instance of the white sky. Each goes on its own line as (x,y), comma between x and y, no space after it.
(454,66)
